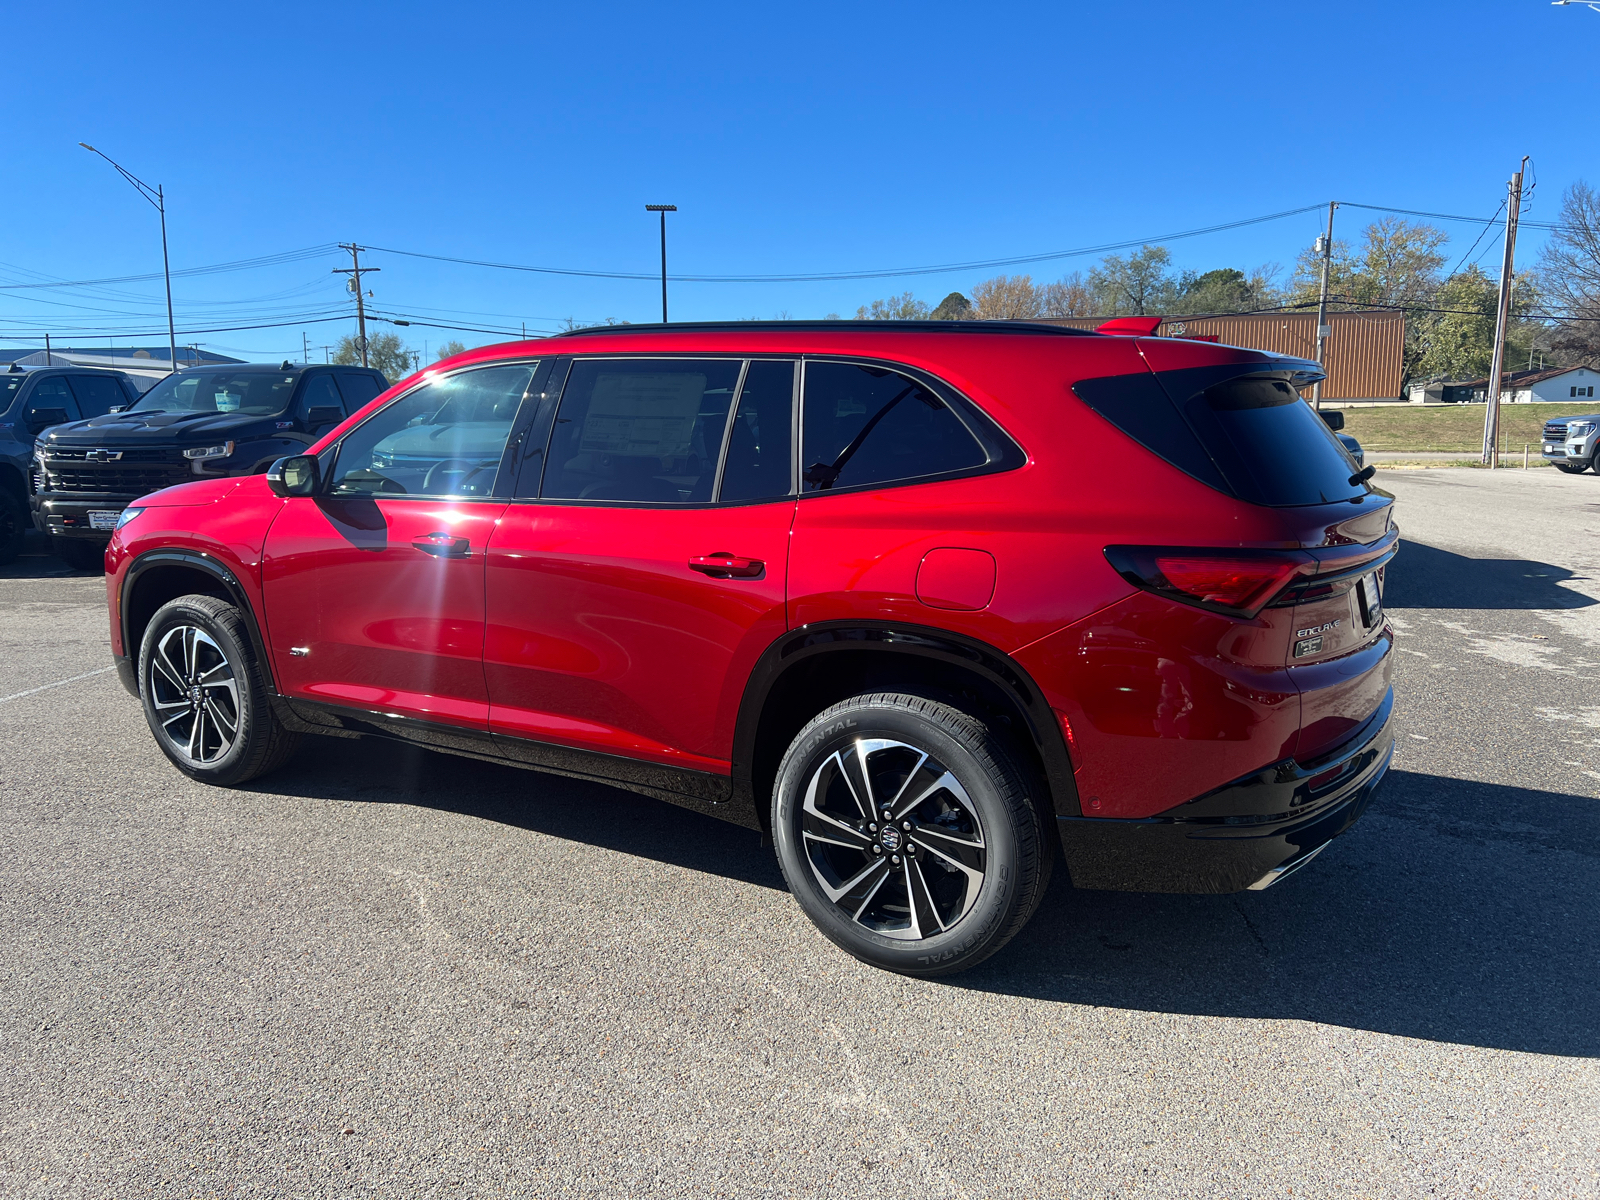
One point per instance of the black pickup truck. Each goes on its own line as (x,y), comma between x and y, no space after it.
(199,423)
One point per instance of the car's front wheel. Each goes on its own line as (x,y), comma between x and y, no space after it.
(205,695)
(906,830)
(1570,468)
(13,526)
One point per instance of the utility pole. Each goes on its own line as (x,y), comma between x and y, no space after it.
(1491,415)
(47,359)
(305,347)
(663,209)
(356,271)
(1322,305)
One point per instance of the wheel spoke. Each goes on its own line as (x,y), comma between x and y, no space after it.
(974,877)
(220,721)
(923,909)
(197,735)
(177,716)
(945,782)
(871,892)
(951,841)
(836,894)
(163,662)
(191,647)
(820,825)
(894,805)
(856,781)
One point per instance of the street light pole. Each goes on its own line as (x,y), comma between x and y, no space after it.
(663,209)
(157,198)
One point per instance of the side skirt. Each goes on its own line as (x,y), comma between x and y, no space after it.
(701,791)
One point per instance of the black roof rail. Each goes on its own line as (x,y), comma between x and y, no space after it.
(839,327)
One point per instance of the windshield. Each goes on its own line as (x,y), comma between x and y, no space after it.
(253,393)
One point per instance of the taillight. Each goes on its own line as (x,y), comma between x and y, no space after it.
(1239,583)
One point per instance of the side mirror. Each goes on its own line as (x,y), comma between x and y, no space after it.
(1333,419)
(298,475)
(40,419)
(323,414)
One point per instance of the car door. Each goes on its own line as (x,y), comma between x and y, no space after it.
(98,394)
(631,591)
(51,393)
(374,588)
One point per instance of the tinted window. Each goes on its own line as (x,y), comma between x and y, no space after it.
(760,463)
(1140,407)
(54,393)
(97,394)
(445,438)
(866,425)
(10,388)
(255,393)
(1270,445)
(645,430)
(321,393)
(359,387)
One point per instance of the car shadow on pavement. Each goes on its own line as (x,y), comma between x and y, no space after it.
(1424,576)
(1455,911)
(373,770)
(37,562)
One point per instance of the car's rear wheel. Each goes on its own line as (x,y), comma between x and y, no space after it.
(205,695)
(81,554)
(1570,468)
(13,526)
(906,830)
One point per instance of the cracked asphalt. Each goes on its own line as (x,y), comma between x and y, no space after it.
(383,972)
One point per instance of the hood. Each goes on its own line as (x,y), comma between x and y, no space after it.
(164,428)
(1568,420)
(201,491)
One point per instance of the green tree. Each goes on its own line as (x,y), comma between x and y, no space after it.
(904,307)
(1225,290)
(1455,337)
(954,307)
(451,348)
(385,351)
(1136,286)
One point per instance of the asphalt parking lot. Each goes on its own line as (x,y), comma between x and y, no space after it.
(384,972)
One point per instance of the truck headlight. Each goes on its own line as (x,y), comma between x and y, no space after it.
(200,452)
(1578,429)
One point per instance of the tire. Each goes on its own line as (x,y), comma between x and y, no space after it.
(197,670)
(14,522)
(970,855)
(80,554)
(1569,468)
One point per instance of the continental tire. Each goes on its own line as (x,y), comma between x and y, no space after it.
(907,832)
(205,696)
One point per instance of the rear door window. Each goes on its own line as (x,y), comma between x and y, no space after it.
(97,394)
(867,425)
(359,387)
(321,392)
(641,430)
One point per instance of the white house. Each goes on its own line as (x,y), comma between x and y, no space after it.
(1519,387)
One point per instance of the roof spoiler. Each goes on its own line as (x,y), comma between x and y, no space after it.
(1130,326)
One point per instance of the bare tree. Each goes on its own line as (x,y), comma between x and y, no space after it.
(1007,298)
(904,307)
(1569,270)
(1067,297)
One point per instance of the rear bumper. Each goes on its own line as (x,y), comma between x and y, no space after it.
(1246,835)
(68,516)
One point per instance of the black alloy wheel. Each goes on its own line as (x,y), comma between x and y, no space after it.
(906,831)
(13,526)
(205,696)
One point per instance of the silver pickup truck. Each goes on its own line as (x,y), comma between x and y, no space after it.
(1569,442)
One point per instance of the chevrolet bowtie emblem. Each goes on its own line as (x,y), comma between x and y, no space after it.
(103,455)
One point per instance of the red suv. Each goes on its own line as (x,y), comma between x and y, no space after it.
(920,601)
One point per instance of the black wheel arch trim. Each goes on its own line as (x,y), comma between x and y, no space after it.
(199,561)
(926,642)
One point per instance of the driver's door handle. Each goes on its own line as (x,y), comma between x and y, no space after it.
(722,565)
(443,545)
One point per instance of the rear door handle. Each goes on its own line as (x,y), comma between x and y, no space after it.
(723,565)
(443,545)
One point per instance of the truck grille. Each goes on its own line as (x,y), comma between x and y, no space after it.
(1555,431)
(137,471)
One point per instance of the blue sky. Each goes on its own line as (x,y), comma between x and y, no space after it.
(794,139)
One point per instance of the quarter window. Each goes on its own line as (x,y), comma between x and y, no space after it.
(359,387)
(760,456)
(870,425)
(641,430)
(445,438)
(321,393)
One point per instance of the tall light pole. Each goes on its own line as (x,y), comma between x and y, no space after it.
(1325,245)
(155,196)
(663,209)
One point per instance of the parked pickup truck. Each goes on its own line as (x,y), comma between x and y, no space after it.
(1569,442)
(194,424)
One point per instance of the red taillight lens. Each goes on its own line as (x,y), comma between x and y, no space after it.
(1236,582)
(1230,582)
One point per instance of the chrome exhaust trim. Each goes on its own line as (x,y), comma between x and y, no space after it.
(1289,868)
